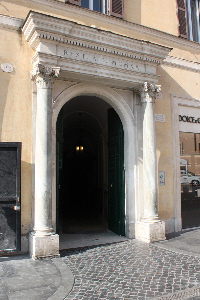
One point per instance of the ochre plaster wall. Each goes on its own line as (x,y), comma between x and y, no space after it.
(16,110)
(160,15)
(174,81)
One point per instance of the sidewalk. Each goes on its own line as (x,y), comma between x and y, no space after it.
(22,278)
(124,270)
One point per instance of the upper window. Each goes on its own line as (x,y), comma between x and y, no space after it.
(97,5)
(111,7)
(189,20)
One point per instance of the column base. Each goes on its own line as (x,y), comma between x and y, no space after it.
(150,232)
(43,246)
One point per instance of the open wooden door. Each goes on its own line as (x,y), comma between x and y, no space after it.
(116,194)
(10,188)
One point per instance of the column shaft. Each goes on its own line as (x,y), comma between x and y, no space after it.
(43,153)
(150,228)
(43,240)
(149,163)
(148,93)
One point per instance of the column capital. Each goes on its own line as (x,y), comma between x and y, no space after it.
(148,92)
(44,75)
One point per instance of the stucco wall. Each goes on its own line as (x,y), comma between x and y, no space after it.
(16,110)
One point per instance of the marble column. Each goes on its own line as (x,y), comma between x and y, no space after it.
(43,240)
(150,228)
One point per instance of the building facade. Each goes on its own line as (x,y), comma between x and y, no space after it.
(97,98)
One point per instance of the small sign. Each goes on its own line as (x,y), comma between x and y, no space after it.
(6,67)
(159,118)
(161,178)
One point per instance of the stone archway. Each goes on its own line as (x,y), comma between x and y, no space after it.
(127,119)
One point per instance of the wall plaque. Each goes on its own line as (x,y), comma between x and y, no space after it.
(159,118)
(6,67)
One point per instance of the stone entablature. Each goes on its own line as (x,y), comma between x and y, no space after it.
(84,50)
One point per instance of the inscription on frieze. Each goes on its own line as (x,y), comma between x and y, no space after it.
(105,60)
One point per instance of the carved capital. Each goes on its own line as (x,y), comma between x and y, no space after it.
(44,75)
(148,92)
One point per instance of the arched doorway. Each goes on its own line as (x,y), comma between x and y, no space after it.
(90,167)
(120,103)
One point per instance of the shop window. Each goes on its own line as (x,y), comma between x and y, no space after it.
(190,178)
(189,151)
(189,19)
(111,7)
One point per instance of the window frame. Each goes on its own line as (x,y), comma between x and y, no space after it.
(110,7)
(102,6)
(190,21)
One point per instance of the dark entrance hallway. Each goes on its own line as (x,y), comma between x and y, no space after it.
(90,173)
(81,198)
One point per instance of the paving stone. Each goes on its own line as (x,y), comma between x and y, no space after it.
(131,270)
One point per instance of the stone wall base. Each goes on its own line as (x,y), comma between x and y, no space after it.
(43,246)
(130,230)
(150,232)
(173,225)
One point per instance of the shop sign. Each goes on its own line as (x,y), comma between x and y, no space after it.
(188,119)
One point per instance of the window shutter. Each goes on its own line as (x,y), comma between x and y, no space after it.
(77,2)
(182,18)
(117,8)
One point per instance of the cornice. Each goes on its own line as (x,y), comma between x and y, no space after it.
(127,25)
(10,22)
(181,63)
(39,27)
(183,99)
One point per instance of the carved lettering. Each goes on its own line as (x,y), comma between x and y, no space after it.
(100,59)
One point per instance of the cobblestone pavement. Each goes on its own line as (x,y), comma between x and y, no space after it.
(132,270)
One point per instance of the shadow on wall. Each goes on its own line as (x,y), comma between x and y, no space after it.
(26,203)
